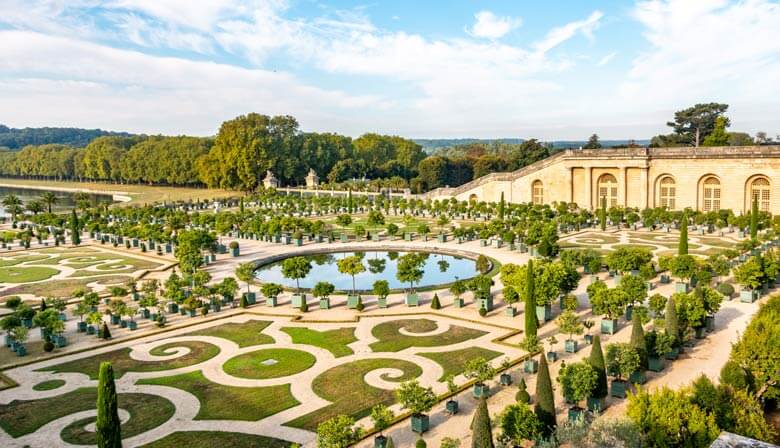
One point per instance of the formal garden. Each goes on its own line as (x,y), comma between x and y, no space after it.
(335,320)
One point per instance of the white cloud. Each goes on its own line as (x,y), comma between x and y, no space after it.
(606,59)
(561,34)
(706,51)
(490,26)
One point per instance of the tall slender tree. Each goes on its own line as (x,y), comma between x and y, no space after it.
(671,323)
(530,302)
(682,245)
(596,360)
(75,231)
(638,339)
(501,207)
(603,213)
(481,431)
(545,400)
(754,219)
(108,428)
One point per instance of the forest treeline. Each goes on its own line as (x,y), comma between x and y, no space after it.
(12,138)
(249,145)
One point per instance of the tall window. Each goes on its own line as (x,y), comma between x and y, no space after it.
(537,192)
(667,193)
(759,190)
(608,189)
(711,194)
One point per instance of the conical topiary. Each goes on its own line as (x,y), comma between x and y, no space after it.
(435,304)
(638,339)
(244,302)
(545,401)
(108,425)
(522,395)
(530,302)
(672,325)
(420,444)
(481,431)
(682,246)
(105,333)
(596,360)
(754,219)
(389,443)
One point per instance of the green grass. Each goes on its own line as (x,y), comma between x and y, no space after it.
(18,418)
(244,334)
(49,385)
(63,288)
(209,439)
(250,365)
(335,341)
(26,274)
(717,242)
(146,412)
(454,362)
(13,261)
(120,359)
(391,340)
(348,393)
(220,402)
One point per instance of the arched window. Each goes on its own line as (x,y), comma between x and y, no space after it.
(608,189)
(711,195)
(537,192)
(667,193)
(759,190)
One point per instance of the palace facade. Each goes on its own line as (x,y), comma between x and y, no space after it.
(706,179)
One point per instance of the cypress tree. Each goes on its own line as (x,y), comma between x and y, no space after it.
(43,305)
(481,431)
(671,323)
(75,233)
(501,207)
(349,201)
(545,401)
(603,213)
(105,333)
(682,246)
(530,302)
(638,339)
(754,219)
(596,360)
(108,429)
(435,304)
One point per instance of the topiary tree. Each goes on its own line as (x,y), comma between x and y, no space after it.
(569,323)
(271,290)
(479,369)
(671,323)
(522,395)
(481,430)
(296,268)
(246,273)
(622,360)
(415,397)
(482,264)
(323,290)
(596,360)
(382,416)
(754,219)
(531,323)
(435,304)
(638,339)
(108,426)
(578,380)
(545,401)
(352,266)
(410,269)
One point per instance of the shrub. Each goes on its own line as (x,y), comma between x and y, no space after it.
(727,289)
(435,305)
(522,395)
(48,346)
(233,244)
(483,311)
(420,444)
(735,376)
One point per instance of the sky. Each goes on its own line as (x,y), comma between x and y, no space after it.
(553,70)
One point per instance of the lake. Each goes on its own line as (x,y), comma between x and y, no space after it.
(66,200)
(439,269)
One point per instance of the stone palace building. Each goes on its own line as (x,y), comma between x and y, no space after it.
(706,179)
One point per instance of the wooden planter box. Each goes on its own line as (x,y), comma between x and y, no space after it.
(412,300)
(481,390)
(709,323)
(352,301)
(552,356)
(700,332)
(298,300)
(458,302)
(655,364)
(531,366)
(748,296)
(571,346)
(452,407)
(618,388)
(637,377)
(672,354)
(596,404)
(381,302)
(271,301)
(543,313)
(325,303)
(505,379)
(575,413)
(629,313)
(510,311)
(588,338)
(486,303)
(609,326)
(420,423)
(681,287)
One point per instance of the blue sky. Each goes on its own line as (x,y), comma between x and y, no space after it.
(549,70)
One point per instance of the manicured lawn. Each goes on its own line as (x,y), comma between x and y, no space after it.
(244,334)
(18,418)
(335,341)
(26,274)
(391,340)
(49,385)
(120,359)
(717,242)
(453,362)
(13,261)
(219,402)
(279,362)
(348,393)
(63,288)
(146,412)
(209,439)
